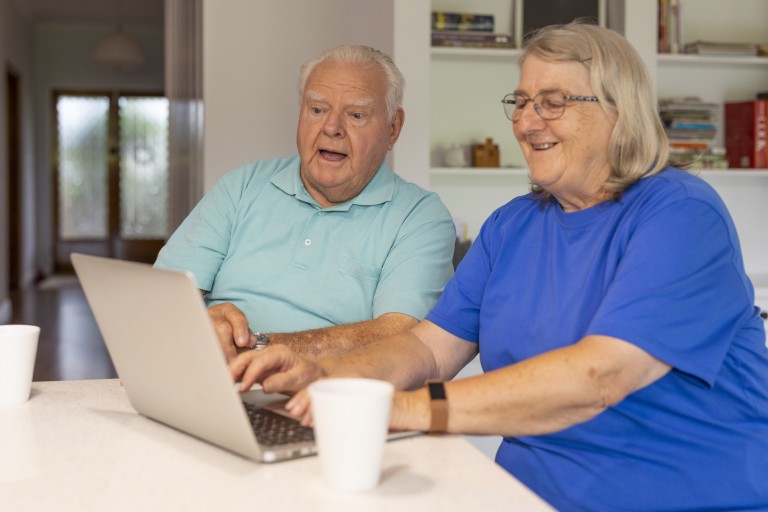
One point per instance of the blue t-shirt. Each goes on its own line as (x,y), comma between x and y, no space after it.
(260,241)
(660,268)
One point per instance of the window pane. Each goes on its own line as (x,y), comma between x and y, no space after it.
(82,130)
(143,167)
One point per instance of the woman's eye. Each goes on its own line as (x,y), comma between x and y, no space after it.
(315,110)
(552,103)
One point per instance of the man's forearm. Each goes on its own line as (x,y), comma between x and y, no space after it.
(330,341)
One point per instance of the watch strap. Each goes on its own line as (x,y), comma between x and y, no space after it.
(438,407)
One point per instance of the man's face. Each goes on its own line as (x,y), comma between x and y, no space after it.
(344,132)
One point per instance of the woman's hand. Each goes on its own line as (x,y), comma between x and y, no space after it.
(277,368)
(299,407)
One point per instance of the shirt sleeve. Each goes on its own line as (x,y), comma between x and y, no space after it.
(200,243)
(678,290)
(419,263)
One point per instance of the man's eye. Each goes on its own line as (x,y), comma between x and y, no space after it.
(358,115)
(315,110)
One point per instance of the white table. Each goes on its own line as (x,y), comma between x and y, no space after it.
(78,445)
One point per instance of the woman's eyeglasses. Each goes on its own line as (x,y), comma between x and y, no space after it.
(548,105)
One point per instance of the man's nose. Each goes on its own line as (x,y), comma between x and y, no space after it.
(334,125)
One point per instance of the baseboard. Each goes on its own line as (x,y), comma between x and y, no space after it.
(5,311)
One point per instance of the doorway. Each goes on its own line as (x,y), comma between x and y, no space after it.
(110,175)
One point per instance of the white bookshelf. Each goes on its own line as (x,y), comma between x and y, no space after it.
(467,84)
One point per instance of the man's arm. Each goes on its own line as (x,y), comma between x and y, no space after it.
(234,335)
(337,339)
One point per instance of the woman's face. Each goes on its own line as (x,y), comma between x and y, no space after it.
(568,156)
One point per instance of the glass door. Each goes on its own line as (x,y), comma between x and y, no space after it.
(111,175)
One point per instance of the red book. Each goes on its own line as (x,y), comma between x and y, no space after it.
(746,134)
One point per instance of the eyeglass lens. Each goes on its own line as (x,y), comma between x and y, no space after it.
(548,105)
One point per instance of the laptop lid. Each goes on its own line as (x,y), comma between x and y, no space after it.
(156,328)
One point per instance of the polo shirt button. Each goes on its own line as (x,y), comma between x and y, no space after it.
(307,242)
(322,213)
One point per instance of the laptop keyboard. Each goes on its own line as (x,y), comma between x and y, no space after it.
(273,429)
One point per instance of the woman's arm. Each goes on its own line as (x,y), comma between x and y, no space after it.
(544,394)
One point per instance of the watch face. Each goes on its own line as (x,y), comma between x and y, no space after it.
(262,340)
(436,390)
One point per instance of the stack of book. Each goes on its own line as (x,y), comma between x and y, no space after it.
(691,127)
(470,30)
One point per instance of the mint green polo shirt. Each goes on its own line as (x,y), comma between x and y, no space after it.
(260,241)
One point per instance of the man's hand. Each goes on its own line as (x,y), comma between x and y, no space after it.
(231,327)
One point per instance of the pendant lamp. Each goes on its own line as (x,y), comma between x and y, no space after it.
(119,50)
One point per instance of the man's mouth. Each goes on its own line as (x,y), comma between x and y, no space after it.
(332,155)
(543,146)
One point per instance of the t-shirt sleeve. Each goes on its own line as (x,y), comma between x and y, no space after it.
(458,309)
(678,292)
(419,263)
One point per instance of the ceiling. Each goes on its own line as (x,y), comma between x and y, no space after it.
(114,12)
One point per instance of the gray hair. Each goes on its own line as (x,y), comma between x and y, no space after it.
(365,55)
(638,146)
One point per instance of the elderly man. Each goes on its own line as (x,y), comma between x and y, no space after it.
(328,249)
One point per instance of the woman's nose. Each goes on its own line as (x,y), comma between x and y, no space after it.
(528,117)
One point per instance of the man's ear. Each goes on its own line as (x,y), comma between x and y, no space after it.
(396,127)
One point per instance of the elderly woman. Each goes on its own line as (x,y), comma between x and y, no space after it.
(624,360)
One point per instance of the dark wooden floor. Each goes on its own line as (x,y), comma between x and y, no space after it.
(70,345)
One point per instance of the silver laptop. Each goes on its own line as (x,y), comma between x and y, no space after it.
(157,331)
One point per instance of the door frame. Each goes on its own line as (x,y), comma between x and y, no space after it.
(15,198)
(143,250)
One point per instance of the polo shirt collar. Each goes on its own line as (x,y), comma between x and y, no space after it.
(378,191)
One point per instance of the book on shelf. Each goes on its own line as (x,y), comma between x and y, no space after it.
(721,48)
(711,158)
(670,27)
(455,21)
(468,39)
(691,106)
(746,141)
(689,145)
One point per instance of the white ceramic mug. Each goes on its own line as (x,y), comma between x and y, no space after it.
(18,349)
(455,156)
(351,418)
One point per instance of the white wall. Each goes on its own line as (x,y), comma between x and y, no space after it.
(252,52)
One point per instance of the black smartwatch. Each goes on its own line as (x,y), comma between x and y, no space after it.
(438,407)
